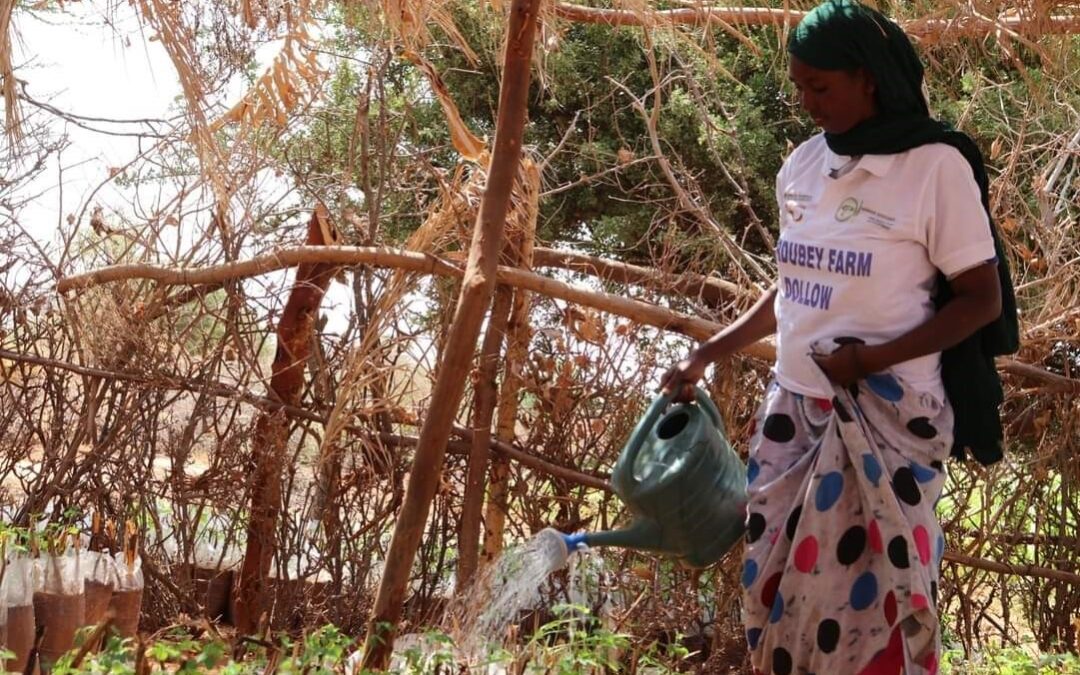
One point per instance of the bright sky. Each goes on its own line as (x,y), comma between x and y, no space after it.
(85,62)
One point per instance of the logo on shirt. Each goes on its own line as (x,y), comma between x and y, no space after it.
(848,209)
(794,209)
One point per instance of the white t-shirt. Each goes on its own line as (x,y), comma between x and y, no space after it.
(859,251)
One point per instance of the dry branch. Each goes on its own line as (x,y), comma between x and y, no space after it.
(221,390)
(1009,568)
(970,25)
(713,291)
(636,310)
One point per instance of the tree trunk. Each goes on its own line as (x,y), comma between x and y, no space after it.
(483,411)
(518,336)
(476,290)
(521,230)
(272,428)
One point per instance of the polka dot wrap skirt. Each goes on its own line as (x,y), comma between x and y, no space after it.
(841,567)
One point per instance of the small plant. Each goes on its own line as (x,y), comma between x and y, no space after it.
(1009,661)
(322,651)
(575,643)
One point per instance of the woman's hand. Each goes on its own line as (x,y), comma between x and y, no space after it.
(682,377)
(845,366)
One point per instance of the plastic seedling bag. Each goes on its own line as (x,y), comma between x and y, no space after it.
(59,604)
(18,598)
(212,576)
(126,602)
(100,571)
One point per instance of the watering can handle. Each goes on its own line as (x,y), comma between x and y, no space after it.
(710,409)
(645,426)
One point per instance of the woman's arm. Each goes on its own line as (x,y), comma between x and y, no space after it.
(757,323)
(976,302)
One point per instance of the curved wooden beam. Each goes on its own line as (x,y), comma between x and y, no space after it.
(635,310)
(968,25)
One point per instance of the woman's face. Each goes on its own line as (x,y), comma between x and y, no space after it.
(837,100)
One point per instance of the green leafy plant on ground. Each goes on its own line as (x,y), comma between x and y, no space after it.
(1009,661)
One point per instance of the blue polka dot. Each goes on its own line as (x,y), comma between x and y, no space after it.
(923,474)
(752,471)
(752,637)
(885,386)
(864,591)
(871,468)
(828,490)
(939,547)
(749,573)
(777,609)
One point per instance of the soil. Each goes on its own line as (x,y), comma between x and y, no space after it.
(61,615)
(97,600)
(126,606)
(20,635)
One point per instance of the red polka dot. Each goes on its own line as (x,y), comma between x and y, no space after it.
(806,554)
(922,544)
(931,663)
(875,537)
(774,537)
(918,601)
(889,661)
(824,403)
(768,590)
(890,608)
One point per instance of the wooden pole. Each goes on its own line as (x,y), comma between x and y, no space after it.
(517,251)
(476,290)
(933,28)
(483,412)
(518,336)
(272,427)
(635,310)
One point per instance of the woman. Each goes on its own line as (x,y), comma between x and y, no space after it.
(887,258)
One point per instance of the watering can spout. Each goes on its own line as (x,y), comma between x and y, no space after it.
(644,534)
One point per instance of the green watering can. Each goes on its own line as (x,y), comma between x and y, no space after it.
(684,485)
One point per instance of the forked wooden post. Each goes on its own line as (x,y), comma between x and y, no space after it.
(272,428)
(457,357)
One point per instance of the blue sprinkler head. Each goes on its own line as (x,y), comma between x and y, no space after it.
(575,541)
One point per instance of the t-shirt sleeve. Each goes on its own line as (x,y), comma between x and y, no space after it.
(781,179)
(957,228)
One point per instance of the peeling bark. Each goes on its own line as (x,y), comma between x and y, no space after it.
(272,428)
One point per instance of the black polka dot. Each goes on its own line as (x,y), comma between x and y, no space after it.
(905,486)
(852,544)
(933,591)
(921,427)
(828,635)
(898,555)
(793,522)
(841,410)
(779,428)
(755,527)
(781,661)
(849,340)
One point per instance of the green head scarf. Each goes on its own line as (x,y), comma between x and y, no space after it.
(845,35)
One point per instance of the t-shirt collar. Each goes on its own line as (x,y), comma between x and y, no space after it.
(877,165)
